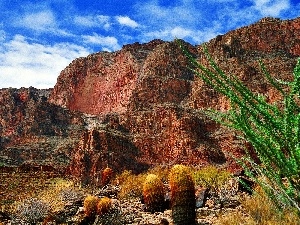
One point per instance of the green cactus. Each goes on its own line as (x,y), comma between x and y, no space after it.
(182,195)
(153,193)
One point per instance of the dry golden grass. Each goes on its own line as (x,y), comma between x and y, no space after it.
(235,218)
(258,209)
(52,194)
(262,211)
(131,185)
(211,177)
(45,186)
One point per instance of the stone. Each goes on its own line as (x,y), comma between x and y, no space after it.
(35,133)
(141,106)
(201,195)
(210,203)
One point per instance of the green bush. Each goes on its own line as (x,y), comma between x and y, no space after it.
(272,130)
(211,177)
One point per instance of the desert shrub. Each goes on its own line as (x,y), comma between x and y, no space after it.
(161,171)
(131,185)
(262,210)
(153,193)
(121,178)
(70,195)
(182,195)
(272,129)
(58,192)
(211,177)
(90,205)
(33,211)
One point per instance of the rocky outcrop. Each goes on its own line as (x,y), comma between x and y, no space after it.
(102,82)
(35,131)
(163,111)
(143,105)
(107,146)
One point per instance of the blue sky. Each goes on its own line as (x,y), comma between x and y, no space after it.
(39,38)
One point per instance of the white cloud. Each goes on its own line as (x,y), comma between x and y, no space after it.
(170,33)
(180,32)
(126,21)
(87,21)
(106,42)
(184,13)
(93,21)
(39,21)
(271,7)
(24,64)
(194,21)
(199,20)
(105,20)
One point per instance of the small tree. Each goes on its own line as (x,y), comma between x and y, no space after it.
(273,131)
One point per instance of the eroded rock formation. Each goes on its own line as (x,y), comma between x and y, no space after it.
(163,112)
(35,131)
(144,107)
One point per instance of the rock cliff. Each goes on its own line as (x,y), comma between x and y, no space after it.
(141,106)
(35,131)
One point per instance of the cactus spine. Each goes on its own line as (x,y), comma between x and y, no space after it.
(153,193)
(182,195)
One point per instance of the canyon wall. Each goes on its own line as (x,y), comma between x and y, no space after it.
(141,106)
(35,131)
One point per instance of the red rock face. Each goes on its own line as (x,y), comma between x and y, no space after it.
(148,107)
(99,149)
(163,110)
(102,82)
(34,131)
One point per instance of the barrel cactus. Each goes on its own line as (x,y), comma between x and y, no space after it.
(90,205)
(153,193)
(182,195)
(106,176)
(104,206)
